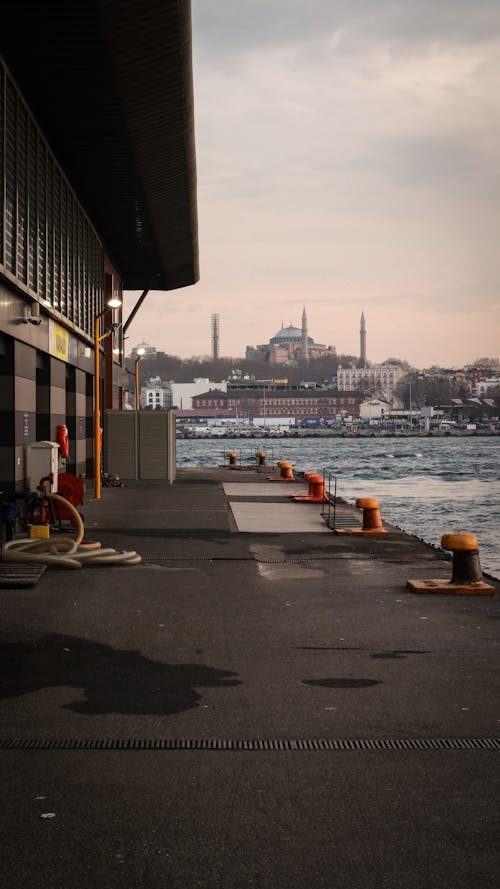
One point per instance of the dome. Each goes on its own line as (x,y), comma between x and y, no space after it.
(288,333)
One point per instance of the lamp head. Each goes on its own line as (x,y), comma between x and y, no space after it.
(114,303)
(140,352)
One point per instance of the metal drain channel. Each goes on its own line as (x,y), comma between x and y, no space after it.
(341,744)
(149,558)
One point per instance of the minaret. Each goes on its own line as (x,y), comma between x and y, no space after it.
(362,341)
(305,338)
(215,336)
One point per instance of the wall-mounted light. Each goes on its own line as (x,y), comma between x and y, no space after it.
(32,314)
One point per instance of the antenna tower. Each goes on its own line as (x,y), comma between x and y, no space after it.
(215,337)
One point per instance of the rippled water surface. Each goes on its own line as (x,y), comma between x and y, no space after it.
(425,486)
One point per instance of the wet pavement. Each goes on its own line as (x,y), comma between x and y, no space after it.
(278,634)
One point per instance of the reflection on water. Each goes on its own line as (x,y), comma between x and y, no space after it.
(426,486)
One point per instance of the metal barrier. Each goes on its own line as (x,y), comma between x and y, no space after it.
(329,514)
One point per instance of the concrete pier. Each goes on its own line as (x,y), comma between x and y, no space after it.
(260,703)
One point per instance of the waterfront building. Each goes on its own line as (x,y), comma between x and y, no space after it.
(182,394)
(98,195)
(297,403)
(289,344)
(374,409)
(378,380)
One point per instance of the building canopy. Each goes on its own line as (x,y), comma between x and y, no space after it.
(110,84)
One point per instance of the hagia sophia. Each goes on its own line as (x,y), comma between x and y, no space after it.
(289,344)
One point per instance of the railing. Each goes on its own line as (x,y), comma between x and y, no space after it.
(330,512)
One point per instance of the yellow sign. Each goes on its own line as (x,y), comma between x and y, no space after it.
(59,342)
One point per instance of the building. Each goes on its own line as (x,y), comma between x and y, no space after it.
(374,409)
(484,386)
(297,403)
(145,350)
(97,164)
(289,344)
(156,394)
(182,394)
(379,380)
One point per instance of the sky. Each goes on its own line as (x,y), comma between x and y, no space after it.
(348,159)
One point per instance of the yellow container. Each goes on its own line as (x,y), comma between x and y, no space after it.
(39,531)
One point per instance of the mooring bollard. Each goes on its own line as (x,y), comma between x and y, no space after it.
(316,492)
(372,522)
(286,472)
(466,574)
(261,457)
(231,455)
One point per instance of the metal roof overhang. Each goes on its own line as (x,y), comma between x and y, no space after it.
(110,83)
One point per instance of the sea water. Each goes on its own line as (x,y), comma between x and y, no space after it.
(426,486)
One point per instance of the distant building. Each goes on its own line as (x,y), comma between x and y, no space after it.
(374,409)
(156,394)
(297,403)
(379,380)
(149,351)
(484,386)
(182,394)
(289,344)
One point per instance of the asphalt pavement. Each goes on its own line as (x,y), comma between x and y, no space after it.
(247,708)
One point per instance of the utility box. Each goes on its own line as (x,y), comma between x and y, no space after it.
(41,461)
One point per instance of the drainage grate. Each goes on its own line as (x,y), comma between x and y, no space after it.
(343,744)
(13,576)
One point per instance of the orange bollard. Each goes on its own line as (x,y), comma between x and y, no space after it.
(466,574)
(372,522)
(233,464)
(316,492)
(261,461)
(286,472)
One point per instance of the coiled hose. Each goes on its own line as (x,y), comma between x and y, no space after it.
(66,553)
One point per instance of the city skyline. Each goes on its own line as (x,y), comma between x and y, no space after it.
(346,162)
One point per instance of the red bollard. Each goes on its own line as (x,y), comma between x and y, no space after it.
(316,492)
(286,472)
(372,522)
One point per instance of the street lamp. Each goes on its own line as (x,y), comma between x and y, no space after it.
(112,303)
(140,352)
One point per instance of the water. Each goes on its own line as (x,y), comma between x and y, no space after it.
(426,486)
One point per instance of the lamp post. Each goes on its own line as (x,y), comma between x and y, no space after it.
(98,337)
(139,353)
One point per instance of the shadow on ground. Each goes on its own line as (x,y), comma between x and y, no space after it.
(113,680)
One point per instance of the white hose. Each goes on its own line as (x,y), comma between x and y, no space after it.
(65,553)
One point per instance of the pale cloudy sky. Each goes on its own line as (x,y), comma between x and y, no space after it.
(348,158)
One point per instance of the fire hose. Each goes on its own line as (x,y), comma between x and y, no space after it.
(66,553)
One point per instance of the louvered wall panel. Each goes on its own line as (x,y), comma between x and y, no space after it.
(153,444)
(2,161)
(33,208)
(42,222)
(47,243)
(10,179)
(120,443)
(22,193)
